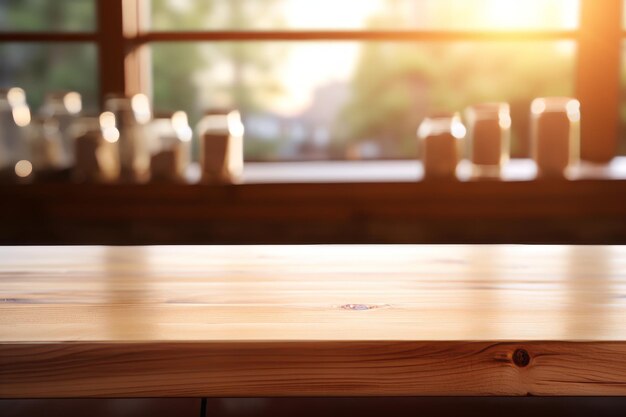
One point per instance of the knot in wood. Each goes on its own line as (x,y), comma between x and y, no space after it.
(358,307)
(521,358)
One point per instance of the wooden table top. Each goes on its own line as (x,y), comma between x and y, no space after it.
(312,320)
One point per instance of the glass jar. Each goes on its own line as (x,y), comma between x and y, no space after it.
(48,155)
(64,107)
(95,142)
(221,147)
(555,135)
(15,119)
(440,137)
(171,152)
(131,116)
(489,136)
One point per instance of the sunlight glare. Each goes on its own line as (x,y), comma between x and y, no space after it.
(458,130)
(506,14)
(538,106)
(111,134)
(573,110)
(141,107)
(516,14)
(330,14)
(235,126)
(107,119)
(23,168)
(107,126)
(73,102)
(21,115)
(180,123)
(16,97)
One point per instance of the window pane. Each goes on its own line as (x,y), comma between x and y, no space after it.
(47,15)
(38,68)
(321,100)
(364,14)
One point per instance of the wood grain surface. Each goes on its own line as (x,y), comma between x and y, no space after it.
(312,321)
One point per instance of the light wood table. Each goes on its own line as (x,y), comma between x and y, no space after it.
(312,321)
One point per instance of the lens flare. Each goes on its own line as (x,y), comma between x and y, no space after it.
(16,97)
(141,107)
(573,110)
(107,120)
(458,130)
(21,115)
(180,123)
(111,134)
(73,102)
(23,168)
(538,106)
(235,126)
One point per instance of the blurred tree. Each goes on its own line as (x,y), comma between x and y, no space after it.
(249,66)
(39,68)
(37,15)
(175,64)
(397,84)
(195,77)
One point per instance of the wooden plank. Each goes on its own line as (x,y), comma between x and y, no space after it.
(311,369)
(312,320)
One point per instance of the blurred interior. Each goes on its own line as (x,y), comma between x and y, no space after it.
(331,94)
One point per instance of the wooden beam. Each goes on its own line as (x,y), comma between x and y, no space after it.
(137,64)
(121,63)
(598,81)
(45,37)
(112,49)
(358,35)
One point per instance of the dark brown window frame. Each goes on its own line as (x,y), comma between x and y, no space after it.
(124,60)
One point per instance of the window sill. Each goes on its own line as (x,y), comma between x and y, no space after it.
(398,171)
(325,202)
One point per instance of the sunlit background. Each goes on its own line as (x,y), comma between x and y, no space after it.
(317,99)
(362,100)
(364,14)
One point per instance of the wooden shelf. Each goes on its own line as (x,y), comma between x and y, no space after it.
(518,169)
(581,211)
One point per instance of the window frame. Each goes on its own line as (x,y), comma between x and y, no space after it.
(124,57)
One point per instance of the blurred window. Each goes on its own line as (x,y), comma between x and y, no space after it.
(59,53)
(332,98)
(355,100)
(475,15)
(314,80)
(47,15)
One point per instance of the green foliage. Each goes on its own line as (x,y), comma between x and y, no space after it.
(39,68)
(397,84)
(50,67)
(178,67)
(32,15)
